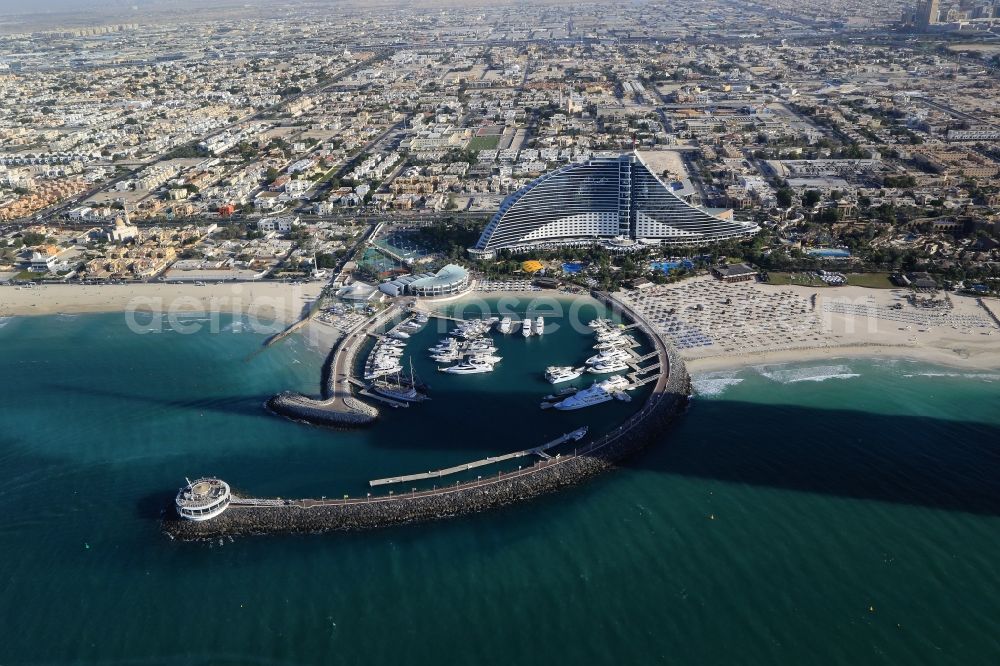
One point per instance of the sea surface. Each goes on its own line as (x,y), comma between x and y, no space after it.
(844,512)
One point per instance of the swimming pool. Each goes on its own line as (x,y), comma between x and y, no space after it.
(667,266)
(829,252)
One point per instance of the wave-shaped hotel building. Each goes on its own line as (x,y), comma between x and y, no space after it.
(615,201)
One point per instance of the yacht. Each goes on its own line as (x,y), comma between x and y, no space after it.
(608,336)
(614,383)
(526,328)
(488,358)
(505,326)
(619,343)
(608,356)
(446,357)
(399,335)
(606,367)
(599,323)
(470,367)
(558,374)
(377,371)
(397,389)
(539,326)
(595,395)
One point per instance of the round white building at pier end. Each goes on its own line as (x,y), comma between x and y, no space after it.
(203,499)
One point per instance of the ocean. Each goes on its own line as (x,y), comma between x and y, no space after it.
(842,512)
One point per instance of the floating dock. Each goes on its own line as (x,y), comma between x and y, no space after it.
(576,435)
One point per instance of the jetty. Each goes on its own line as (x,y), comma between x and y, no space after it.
(576,435)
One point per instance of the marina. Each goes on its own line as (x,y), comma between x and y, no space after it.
(549,472)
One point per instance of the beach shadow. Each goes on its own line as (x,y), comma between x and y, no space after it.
(921,461)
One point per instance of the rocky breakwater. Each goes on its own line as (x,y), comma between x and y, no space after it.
(337,407)
(647,426)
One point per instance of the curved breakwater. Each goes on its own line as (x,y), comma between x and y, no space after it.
(338,407)
(252,516)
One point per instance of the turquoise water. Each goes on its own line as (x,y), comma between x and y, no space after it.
(837,513)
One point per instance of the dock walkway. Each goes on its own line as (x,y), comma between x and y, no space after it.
(577,434)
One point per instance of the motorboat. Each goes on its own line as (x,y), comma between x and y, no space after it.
(559,374)
(470,367)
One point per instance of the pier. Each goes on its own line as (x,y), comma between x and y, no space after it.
(577,435)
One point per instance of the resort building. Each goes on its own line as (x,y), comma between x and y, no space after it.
(615,201)
(735,273)
(449,280)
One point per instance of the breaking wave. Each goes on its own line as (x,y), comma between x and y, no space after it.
(821,373)
(714,383)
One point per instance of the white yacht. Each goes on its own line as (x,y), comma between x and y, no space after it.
(526,328)
(399,335)
(614,383)
(565,373)
(595,395)
(446,357)
(379,370)
(470,367)
(604,368)
(445,345)
(488,358)
(505,326)
(608,336)
(609,355)
(619,343)
(539,326)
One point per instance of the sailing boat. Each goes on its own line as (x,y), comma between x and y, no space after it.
(396,388)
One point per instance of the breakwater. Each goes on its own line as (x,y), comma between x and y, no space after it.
(337,407)
(255,516)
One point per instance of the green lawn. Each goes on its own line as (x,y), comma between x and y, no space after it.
(870,280)
(484,142)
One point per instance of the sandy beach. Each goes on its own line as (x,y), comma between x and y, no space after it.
(285,300)
(715,326)
(719,326)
